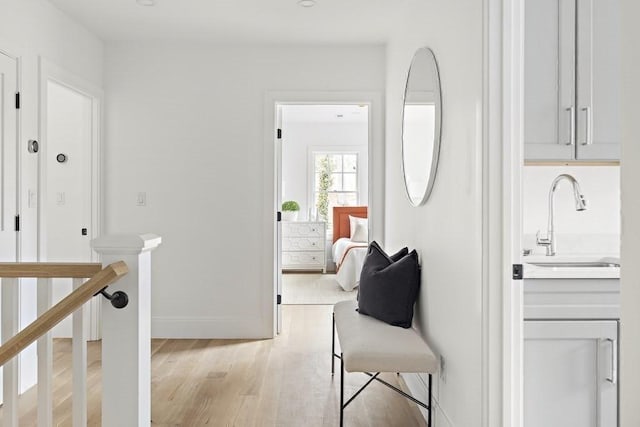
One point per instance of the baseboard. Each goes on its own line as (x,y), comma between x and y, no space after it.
(418,388)
(209,328)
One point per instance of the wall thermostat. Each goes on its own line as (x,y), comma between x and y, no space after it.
(33,146)
(61,158)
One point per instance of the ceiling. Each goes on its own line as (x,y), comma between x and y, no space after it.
(237,21)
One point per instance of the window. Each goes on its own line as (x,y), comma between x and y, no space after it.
(335,182)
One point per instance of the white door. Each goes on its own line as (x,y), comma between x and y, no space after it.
(66,189)
(570,373)
(8,166)
(8,158)
(278,151)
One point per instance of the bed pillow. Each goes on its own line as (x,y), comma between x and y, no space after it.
(358,229)
(389,286)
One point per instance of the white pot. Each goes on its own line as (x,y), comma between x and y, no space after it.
(289,215)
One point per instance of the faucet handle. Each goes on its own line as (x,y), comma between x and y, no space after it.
(542,241)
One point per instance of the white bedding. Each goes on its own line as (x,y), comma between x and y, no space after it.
(348,266)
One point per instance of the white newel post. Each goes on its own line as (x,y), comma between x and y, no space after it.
(126,332)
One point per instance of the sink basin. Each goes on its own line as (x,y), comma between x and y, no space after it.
(576,264)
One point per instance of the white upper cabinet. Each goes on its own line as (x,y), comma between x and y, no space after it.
(572,80)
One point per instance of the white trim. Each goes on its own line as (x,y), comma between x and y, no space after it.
(206,327)
(512,145)
(492,266)
(376,179)
(49,71)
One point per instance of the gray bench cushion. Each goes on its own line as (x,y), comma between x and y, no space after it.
(370,345)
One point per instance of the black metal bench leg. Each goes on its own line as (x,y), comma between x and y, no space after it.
(341,390)
(430,410)
(333,343)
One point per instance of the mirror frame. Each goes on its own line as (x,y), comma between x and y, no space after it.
(437,135)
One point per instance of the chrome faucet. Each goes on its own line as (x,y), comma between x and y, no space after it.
(581,204)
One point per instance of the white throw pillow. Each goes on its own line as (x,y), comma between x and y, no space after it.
(359,228)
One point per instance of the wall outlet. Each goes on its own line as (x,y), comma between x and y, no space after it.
(443,372)
(141,199)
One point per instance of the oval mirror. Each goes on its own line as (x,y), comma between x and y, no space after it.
(421,120)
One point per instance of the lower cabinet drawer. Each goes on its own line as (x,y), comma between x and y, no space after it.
(303,259)
(301,243)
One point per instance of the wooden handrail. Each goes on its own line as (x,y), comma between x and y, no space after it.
(61,310)
(49,269)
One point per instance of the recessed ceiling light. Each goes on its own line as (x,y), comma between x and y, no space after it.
(307,3)
(146,2)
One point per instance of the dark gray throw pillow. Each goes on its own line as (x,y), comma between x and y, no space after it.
(389,286)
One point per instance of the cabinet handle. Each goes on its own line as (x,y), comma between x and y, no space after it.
(588,139)
(613,378)
(572,125)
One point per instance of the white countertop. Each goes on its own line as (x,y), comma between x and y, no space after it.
(549,272)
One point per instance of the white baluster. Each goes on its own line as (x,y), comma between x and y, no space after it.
(45,359)
(10,325)
(79,358)
(126,333)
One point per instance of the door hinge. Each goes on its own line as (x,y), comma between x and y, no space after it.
(279,134)
(17,100)
(517,272)
(17,223)
(279,217)
(279,299)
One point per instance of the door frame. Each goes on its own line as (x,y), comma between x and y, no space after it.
(376,154)
(48,71)
(502,223)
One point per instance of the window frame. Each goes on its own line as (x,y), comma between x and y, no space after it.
(311,174)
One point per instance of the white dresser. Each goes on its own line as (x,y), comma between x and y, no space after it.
(303,245)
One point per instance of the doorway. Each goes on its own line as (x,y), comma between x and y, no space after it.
(272,182)
(324,164)
(69,184)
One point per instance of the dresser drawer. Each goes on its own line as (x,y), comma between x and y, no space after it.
(303,259)
(303,229)
(302,243)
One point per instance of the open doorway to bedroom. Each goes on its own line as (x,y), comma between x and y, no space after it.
(324,180)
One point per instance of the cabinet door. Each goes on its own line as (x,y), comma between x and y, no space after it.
(570,370)
(549,79)
(598,79)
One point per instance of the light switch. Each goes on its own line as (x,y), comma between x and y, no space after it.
(33,199)
(141,199)
(60,198)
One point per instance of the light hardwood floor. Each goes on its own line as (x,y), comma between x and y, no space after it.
(281,382)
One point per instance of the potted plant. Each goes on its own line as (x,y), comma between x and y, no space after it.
(290,210)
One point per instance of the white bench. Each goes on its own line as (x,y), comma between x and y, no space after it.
(371,346)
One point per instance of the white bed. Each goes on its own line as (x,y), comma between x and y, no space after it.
(347,254)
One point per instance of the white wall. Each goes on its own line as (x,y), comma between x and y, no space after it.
(596,230)
(630,169)
(185,125)
(29,28)
(300,139)
(447,230)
